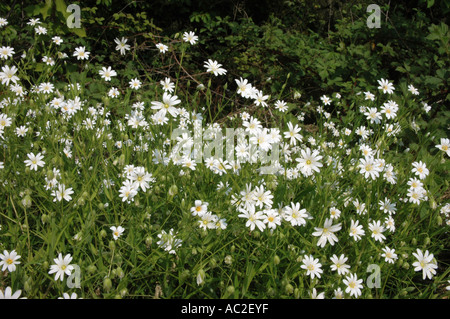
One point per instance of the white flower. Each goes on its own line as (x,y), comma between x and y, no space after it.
(389,255)
(9,295)
(309,161)
(40,30)
(260,98)
(81,53)
(413,90)
(377,230)
(315,295)
(107,73)
(46,87)
(190,37)
(168,85)
(386,86)
(117,231)
(444,146)
(33,21)
(293,134)
(420,169)
(167,105)
(71,296)
(244,88)
(168,241)
(327,233)
(254,219)
(272,218)
(128,191)
(141,178)
(373,115)
(113,92)
(3,22)
(57,40)
(62,193)
(5,121)
(207,221)
(281,106)
(325,99)
(34,161)
(339,264)
(121,45)
(162,47)
(199,208)
(262,197)
(135,83)
(6,52)
(353,285)
(214,67)
(8,74)
(61,267)
(425,262)
(9,260)
(295,215)
(369,96)
(312,266)
(368,168)
(356,230)
(335,213)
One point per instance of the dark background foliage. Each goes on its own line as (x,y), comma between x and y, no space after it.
(313,47)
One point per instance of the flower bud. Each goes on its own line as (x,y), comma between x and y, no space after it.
(228,260)
(230,290)
(276,260)
(289,289)
(102,233)
(107,284)
(124,292)
(91,269)
(119,273)
(148,241)
(173,190)
(201,277)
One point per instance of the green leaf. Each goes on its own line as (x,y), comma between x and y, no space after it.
(432,80)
